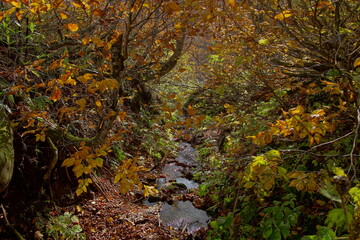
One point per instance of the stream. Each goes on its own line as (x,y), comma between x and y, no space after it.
(181,215)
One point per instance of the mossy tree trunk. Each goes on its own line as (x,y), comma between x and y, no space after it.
(6,150)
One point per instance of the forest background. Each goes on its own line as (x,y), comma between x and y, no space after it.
(267,90)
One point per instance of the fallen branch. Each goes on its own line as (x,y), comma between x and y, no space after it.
(7,223)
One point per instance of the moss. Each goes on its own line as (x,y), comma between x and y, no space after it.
(6,150)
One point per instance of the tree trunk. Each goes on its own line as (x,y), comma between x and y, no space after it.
(6,150)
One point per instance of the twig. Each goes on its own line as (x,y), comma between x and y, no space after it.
(94,178)
(352,165)
(54,158)
(332,141)
(7,223)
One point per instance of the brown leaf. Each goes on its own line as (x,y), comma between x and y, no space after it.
(56,94)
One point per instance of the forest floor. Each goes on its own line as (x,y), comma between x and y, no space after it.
(122,217)
(103,214)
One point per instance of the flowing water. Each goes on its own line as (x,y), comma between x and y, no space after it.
(181,215)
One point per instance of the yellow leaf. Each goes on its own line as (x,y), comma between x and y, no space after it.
(85,78)
(357,62)
(177,25)
(232,3)
(98,103)
(149,190)
(171,7)
(68,162)
(269,183)
(72,27)
(263,41)
(249,184)
(300,186)
(108,84)
(81,103)
(79,191)
(122,115)
(229,108)
(79,209)
(63,15)
(92,163)
(98,12)
(78,170)
(339,171)
(283,15)
(77,5)
(171,96)
(70,81)
(191,111)
(85,40)
(272,155)
(298,110)
(87,170)
(16,4)
(117,177)
(99,162)
(125,185)
(97,41)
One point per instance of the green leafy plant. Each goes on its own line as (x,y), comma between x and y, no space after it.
(324,233)
(221,228)
(280,218)
(64,226)
(339,218)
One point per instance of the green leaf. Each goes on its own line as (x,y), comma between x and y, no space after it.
(293,219)
(285,229)
(214,224)
(337,217)
(276,235)
(282,172)
(249,184)
(267,231)
(325,233)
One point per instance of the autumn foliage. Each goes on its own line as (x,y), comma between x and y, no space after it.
(268,90)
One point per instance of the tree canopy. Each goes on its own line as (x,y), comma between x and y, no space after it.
(267,91)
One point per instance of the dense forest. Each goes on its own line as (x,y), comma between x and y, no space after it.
(117,114)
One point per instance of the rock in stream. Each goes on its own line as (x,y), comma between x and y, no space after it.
(182,215)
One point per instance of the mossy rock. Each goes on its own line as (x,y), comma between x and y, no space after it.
(6,150)
(176,186)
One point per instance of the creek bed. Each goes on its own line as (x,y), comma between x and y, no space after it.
(181,215)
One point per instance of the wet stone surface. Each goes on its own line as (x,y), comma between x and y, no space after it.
(188,183)
(184,216)
(188,155)
(172,171)
(180,215)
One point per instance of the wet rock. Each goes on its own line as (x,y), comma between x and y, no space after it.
(152,199)
(183,215)
(172,171)
(188,183)
(177,186)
